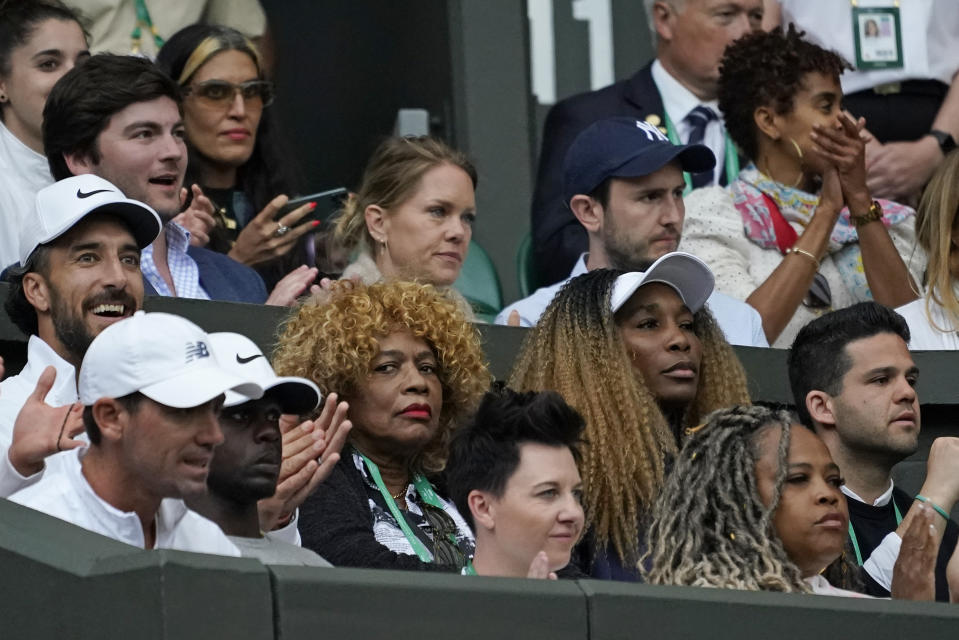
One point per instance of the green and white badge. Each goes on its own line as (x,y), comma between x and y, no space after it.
(877,32)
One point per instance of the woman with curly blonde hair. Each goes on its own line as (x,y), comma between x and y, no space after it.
(642,359)
(410,366)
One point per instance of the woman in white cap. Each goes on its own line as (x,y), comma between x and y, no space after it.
(642,359)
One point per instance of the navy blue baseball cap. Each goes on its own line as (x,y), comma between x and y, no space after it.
(625,148)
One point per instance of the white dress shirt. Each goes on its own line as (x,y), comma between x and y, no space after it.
(741,324)
(70,497)
(678,101)
(14,392)
(929,37)
(23,172)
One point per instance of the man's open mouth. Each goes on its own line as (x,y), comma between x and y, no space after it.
(110,310)
(165,180)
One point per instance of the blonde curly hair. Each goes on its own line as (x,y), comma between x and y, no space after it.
(576,349)
(333,343)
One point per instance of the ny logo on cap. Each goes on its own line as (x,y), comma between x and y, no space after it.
(652,132)
(196,350)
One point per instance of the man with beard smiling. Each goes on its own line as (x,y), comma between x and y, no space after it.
(79,272)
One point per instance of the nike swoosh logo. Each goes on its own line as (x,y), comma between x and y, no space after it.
(82,195)
(250,359)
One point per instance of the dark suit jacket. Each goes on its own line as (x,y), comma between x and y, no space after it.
(223,278)
(558,238)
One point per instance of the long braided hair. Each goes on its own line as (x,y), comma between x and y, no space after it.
(733,543)
(576,349)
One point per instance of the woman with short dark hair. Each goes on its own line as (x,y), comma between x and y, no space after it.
(798,232)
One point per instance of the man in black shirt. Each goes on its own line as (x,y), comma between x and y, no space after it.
(853,381)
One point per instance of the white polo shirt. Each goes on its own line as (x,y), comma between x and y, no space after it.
(70,497)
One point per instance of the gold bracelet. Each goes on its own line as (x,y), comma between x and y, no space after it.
(803,252)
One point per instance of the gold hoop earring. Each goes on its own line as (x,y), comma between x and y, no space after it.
(798,149)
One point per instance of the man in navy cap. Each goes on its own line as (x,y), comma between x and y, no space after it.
(623,180)
(675,92)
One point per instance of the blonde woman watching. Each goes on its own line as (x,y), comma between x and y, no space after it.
(934,319)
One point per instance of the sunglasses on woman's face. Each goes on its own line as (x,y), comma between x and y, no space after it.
(221,92)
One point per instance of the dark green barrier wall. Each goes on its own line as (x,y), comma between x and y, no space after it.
(58,581)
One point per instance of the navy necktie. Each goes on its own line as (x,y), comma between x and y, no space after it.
(699,118)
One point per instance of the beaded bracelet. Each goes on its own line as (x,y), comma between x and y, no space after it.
(803,252)
(935,506)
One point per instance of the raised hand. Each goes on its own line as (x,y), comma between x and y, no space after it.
(41,430)
(941,485)
(198,218)
(264,238)
(830,197)
(844,147)
(914,575)
(292,285)
(539,568)
(310,451)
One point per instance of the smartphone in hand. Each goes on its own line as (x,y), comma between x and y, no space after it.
(327,204)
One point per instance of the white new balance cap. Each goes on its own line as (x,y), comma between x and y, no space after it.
(240,355)
(165,357)
(686,274)
(63,204)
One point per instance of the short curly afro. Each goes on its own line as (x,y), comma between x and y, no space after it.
(767,69)
(333,342)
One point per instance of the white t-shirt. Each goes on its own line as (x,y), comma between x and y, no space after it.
(741,324)
(23,172)
(70,497)
(14,392)
(923,335)
(929,32)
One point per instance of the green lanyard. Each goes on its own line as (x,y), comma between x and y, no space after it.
(143,19)
(424,488)
(852,534)
(468,569)
(732,157)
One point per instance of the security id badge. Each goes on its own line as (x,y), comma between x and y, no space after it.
(877,32)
